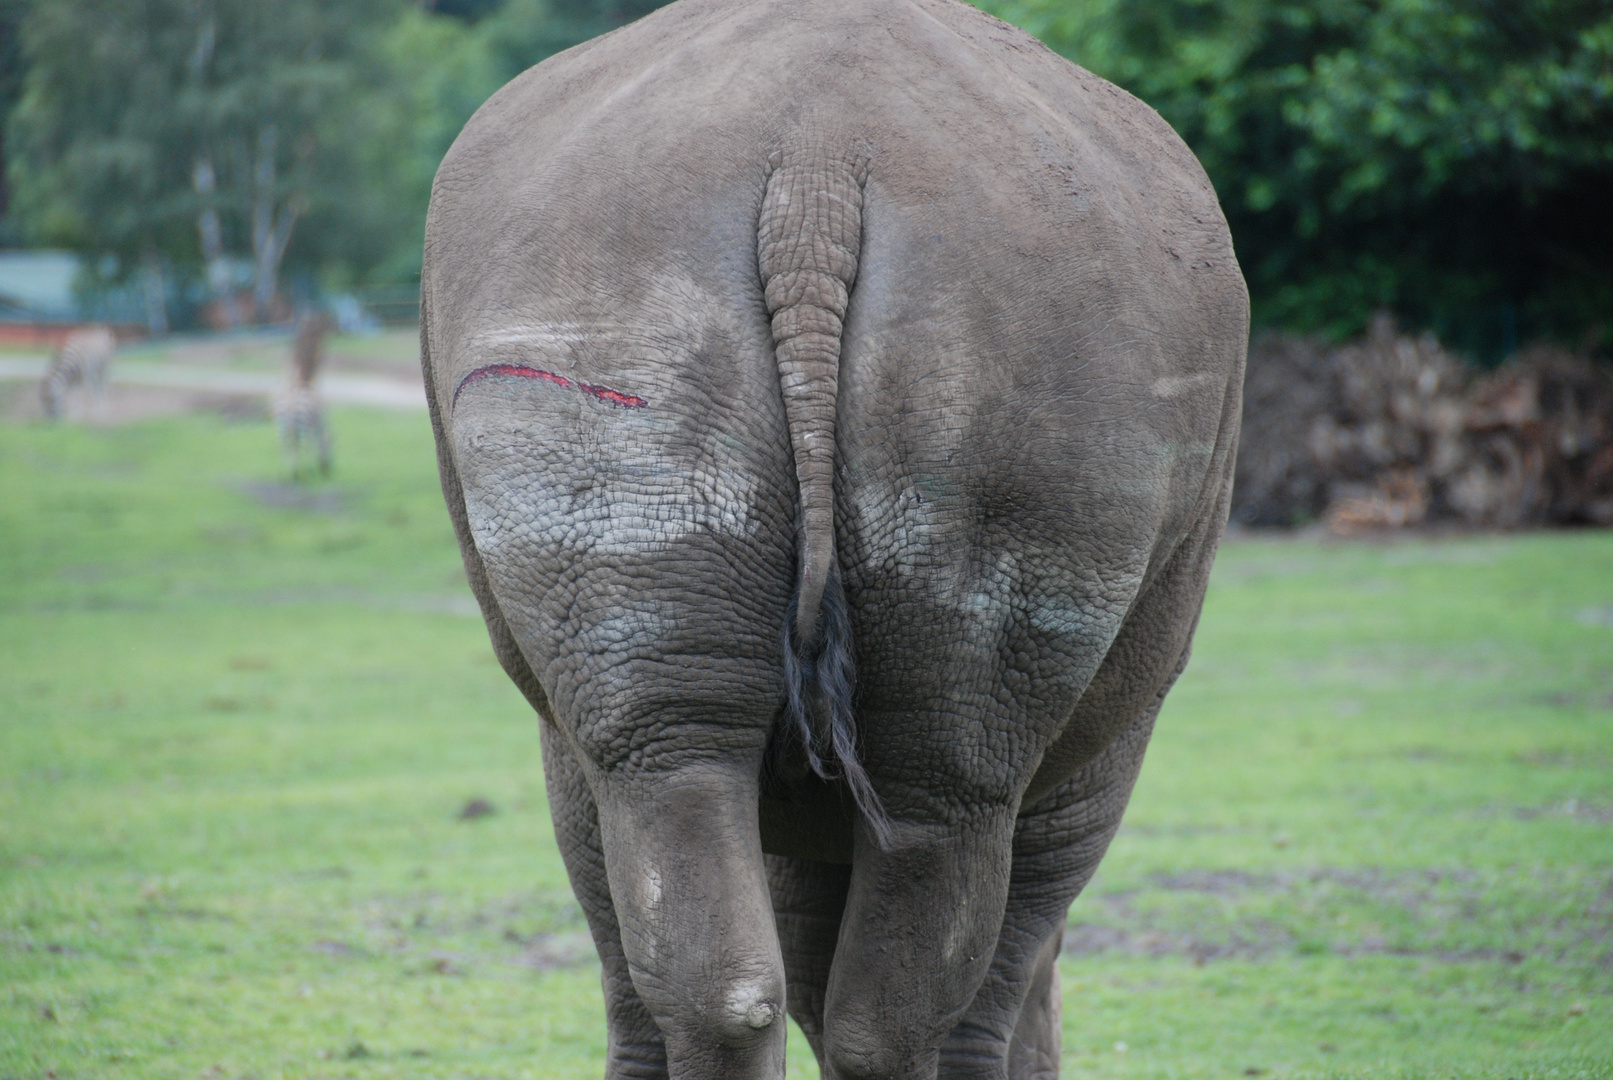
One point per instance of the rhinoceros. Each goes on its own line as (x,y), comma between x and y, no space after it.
(836,402)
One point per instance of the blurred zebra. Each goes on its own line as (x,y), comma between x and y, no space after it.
(298,412)
(80,364)
(301,419)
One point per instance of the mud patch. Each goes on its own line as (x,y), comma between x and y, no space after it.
(285,496)
(550,952)
(1573,809)
(1564,759)
(1086,939)
(123,403)
(432,936)
(334,948)
(476,808)
(460,605)
(1449,916)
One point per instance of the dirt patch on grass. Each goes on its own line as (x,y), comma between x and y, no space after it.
(334,948)
(286,496)
(1574,809)
(549,952)
(1564,759)
(1452,916)
(124,404)
(1086,939)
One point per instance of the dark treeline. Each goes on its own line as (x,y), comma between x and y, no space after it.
(1450,162)
(213,146)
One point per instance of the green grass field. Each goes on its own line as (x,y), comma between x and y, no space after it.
(239,721)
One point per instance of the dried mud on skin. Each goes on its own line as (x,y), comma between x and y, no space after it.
(1392,431)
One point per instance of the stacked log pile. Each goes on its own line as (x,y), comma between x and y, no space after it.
(1392,430)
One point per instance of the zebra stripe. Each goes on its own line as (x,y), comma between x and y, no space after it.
(80,364)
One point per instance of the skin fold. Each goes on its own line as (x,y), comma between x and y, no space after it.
(875,326)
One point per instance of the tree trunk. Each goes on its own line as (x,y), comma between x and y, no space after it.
(271,227)
(212,237)
(156,295)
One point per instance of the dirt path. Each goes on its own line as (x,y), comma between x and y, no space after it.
(138,389)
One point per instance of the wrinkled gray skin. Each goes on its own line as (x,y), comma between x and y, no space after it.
(876,285)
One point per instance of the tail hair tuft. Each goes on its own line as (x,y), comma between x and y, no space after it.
(820,678)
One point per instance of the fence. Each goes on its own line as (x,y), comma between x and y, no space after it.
(394,305)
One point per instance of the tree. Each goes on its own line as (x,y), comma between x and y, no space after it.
(95,161)
(1448,160)
(270,87)
(430,73)
(178,130)
(524,32)
(184,133)
(437,63)
(11,69)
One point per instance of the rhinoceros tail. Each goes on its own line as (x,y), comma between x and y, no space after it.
(809,237)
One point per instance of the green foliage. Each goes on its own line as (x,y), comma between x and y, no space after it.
(123,99)
(125,103)
(525,32)
(11,71)
(432,74)
(1372,837)
(437,70)
(1449,160)
(96,143)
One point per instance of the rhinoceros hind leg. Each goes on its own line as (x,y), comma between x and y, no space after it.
(636,1049)
(1033,1052)
(808,900)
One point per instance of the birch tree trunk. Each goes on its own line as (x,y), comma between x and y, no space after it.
(219,286)
(271,225)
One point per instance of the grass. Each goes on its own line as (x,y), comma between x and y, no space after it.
(239,722)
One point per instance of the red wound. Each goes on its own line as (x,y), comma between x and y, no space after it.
(615,397)
(518,371)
